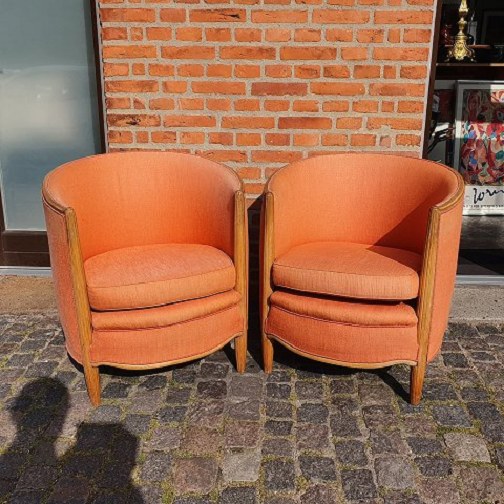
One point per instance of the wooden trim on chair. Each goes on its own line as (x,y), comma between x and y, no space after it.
(82,305)
(268,256)
(427,285)
(240,260)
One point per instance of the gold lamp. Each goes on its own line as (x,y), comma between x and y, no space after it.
(460,50)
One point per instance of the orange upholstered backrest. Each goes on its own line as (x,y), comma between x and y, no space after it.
(375,199)
(143,198)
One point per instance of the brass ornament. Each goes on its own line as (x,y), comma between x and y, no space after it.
(460,50)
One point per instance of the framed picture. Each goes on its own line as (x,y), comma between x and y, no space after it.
(479,145)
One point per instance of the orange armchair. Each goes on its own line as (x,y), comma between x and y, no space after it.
(149,259)
(359,257)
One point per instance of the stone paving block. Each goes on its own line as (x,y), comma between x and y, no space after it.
(242,466)
(351,452)
(245,386)
(481,484)
(201,439)
(312,436)
(194,474)
(309,390)
(317,468)
(241,434)
(358,484)
(451,416)
(244,409)
(319,494)
(280,447)
(394,472)
(279,475)
(466,447)
(312,413)
(164,439)
(424,446)
(238,495)
(437,467)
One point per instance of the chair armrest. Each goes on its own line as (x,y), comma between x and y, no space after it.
(267,254)
(241,250)
(437,280)
(69,278)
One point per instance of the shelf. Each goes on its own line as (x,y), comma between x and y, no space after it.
(470,65)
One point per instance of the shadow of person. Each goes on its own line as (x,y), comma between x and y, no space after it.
(41,402)
(97,468)
(100,462)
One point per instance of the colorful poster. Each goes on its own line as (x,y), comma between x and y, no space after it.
(479,149)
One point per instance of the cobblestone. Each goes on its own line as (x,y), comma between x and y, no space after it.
(200,433)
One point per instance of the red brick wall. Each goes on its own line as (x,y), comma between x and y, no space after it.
(257,84)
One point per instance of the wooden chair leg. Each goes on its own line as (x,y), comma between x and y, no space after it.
(240,344)
(416,382)
(92,376)
(267,352)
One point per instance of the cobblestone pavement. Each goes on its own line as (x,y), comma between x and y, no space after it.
(201,433)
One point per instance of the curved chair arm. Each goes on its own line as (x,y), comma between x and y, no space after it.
(267,256)
(68,275)
(437,280)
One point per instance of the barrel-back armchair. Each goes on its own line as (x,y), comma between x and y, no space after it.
(149,259)
(359,257)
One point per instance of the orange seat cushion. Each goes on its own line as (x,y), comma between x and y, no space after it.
(155,275)
(349,270)
(345,331)
(163,316)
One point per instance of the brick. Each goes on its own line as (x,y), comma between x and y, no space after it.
(417,35)
(352,123)
(247,104)
(129,51)
(307,72)
(188,52)
(217,15)
(334,139)
(365,106)
(218,87)
(122,137)
(333,88)
(275,156)
(114,33)
(306,106)
(383,89)
(248,139)
(117,103)
(277,139)
(249,53)
(304,123)
(278,71)
(367,71)
(406,17)
(161,104)
(161,70)
(370,36)
(248,35)
(307,35)
(218,104)
(163,136)
(336,106)
(410,140)
(247,71)
(307,53)
(218,34)
(184,121)
(279,89)
(127,15)
(413,72)
(173,15)
(333,16)
(354,53)
(278,35)
(191,70)
(133,120)
(219,70)
(115,69)
(248,122)
(362,140)
(189,34)
(192,137)
(401,54)
(174,87)
(280,16)
(133,86)
(339,35)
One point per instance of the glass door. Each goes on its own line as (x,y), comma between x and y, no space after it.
(49,106)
